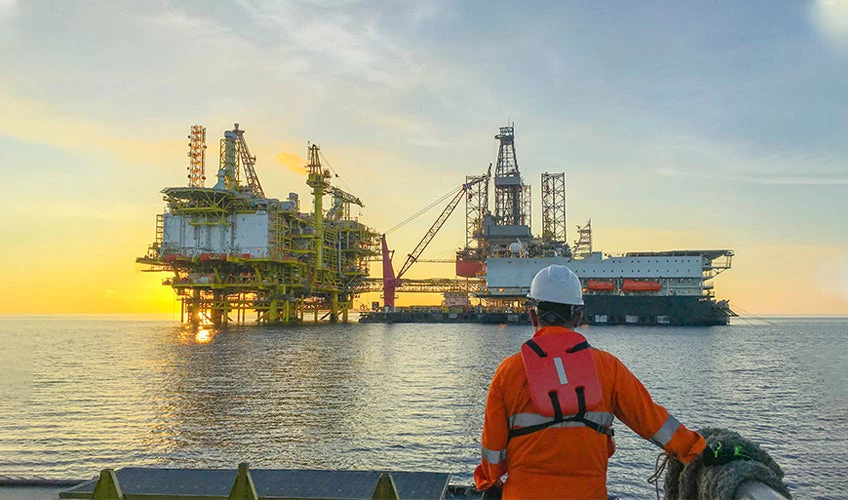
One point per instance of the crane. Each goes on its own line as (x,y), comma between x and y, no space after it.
(341,203)
(248,161)
(391,281)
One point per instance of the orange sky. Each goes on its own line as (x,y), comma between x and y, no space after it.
(708,134)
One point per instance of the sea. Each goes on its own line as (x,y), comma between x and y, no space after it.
(84,393)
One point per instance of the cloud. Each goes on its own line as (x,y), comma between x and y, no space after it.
(704,158)
(329,41)
(7,7)
(831,19)
(38,122)
(667,172)
(258,57)
(800,180)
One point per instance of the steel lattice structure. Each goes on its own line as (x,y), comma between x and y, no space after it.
(197,156)
(476,206)
(553,207)
(510,205)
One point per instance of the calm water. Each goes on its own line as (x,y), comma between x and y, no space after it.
(82,394)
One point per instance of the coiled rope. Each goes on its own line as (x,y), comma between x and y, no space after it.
(698,480)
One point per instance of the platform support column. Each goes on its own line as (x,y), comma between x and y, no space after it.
(334,308)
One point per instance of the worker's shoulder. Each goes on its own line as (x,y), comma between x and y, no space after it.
(604,357)
(510,364)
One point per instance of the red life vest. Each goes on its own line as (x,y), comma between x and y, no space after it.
(562,380)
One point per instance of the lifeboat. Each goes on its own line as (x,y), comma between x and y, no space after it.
(600,286)
(640,286)
(173,257)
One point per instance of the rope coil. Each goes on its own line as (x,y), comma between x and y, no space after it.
(720,480)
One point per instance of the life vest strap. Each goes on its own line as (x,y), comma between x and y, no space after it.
(579,347)
(601,429)
(557,407)
(580,417)
(542,354)
(538,350)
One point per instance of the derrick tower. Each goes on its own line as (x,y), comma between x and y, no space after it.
(512,197)
(507,232)
(511,221)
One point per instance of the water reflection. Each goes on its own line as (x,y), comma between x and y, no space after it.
(406,397)
(203,335)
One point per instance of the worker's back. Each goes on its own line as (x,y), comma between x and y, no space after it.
(555,460)
(570,460)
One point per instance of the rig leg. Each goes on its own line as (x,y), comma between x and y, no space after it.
(334,308)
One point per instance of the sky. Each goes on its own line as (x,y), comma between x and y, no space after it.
(679,125)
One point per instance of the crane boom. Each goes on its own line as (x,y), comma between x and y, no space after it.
(440,221)
(392,282)
(428,237)
(344,196)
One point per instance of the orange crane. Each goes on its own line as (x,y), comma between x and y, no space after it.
(392,282)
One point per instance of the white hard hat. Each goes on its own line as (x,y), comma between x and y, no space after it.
(557,284)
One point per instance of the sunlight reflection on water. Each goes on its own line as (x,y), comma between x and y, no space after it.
(81,395)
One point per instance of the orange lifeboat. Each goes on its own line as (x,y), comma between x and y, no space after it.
(600,286)
(640,286)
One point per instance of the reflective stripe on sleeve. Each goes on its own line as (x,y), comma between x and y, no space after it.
(664,435)
(493,456)
(527,419)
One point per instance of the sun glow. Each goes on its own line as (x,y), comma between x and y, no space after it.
(203,336)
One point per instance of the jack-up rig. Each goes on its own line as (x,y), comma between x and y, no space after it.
(501,256)
(486,234)
(233,250)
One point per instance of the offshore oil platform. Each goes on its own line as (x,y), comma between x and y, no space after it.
(501,255)
(233,250)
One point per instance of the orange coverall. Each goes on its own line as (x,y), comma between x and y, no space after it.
(568,460)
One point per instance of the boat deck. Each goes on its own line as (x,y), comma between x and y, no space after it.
(150,483)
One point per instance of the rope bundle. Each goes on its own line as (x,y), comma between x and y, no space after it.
(697,480)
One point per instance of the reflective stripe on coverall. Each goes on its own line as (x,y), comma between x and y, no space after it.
(568,460)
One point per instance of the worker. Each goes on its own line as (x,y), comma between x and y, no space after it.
(550,408)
